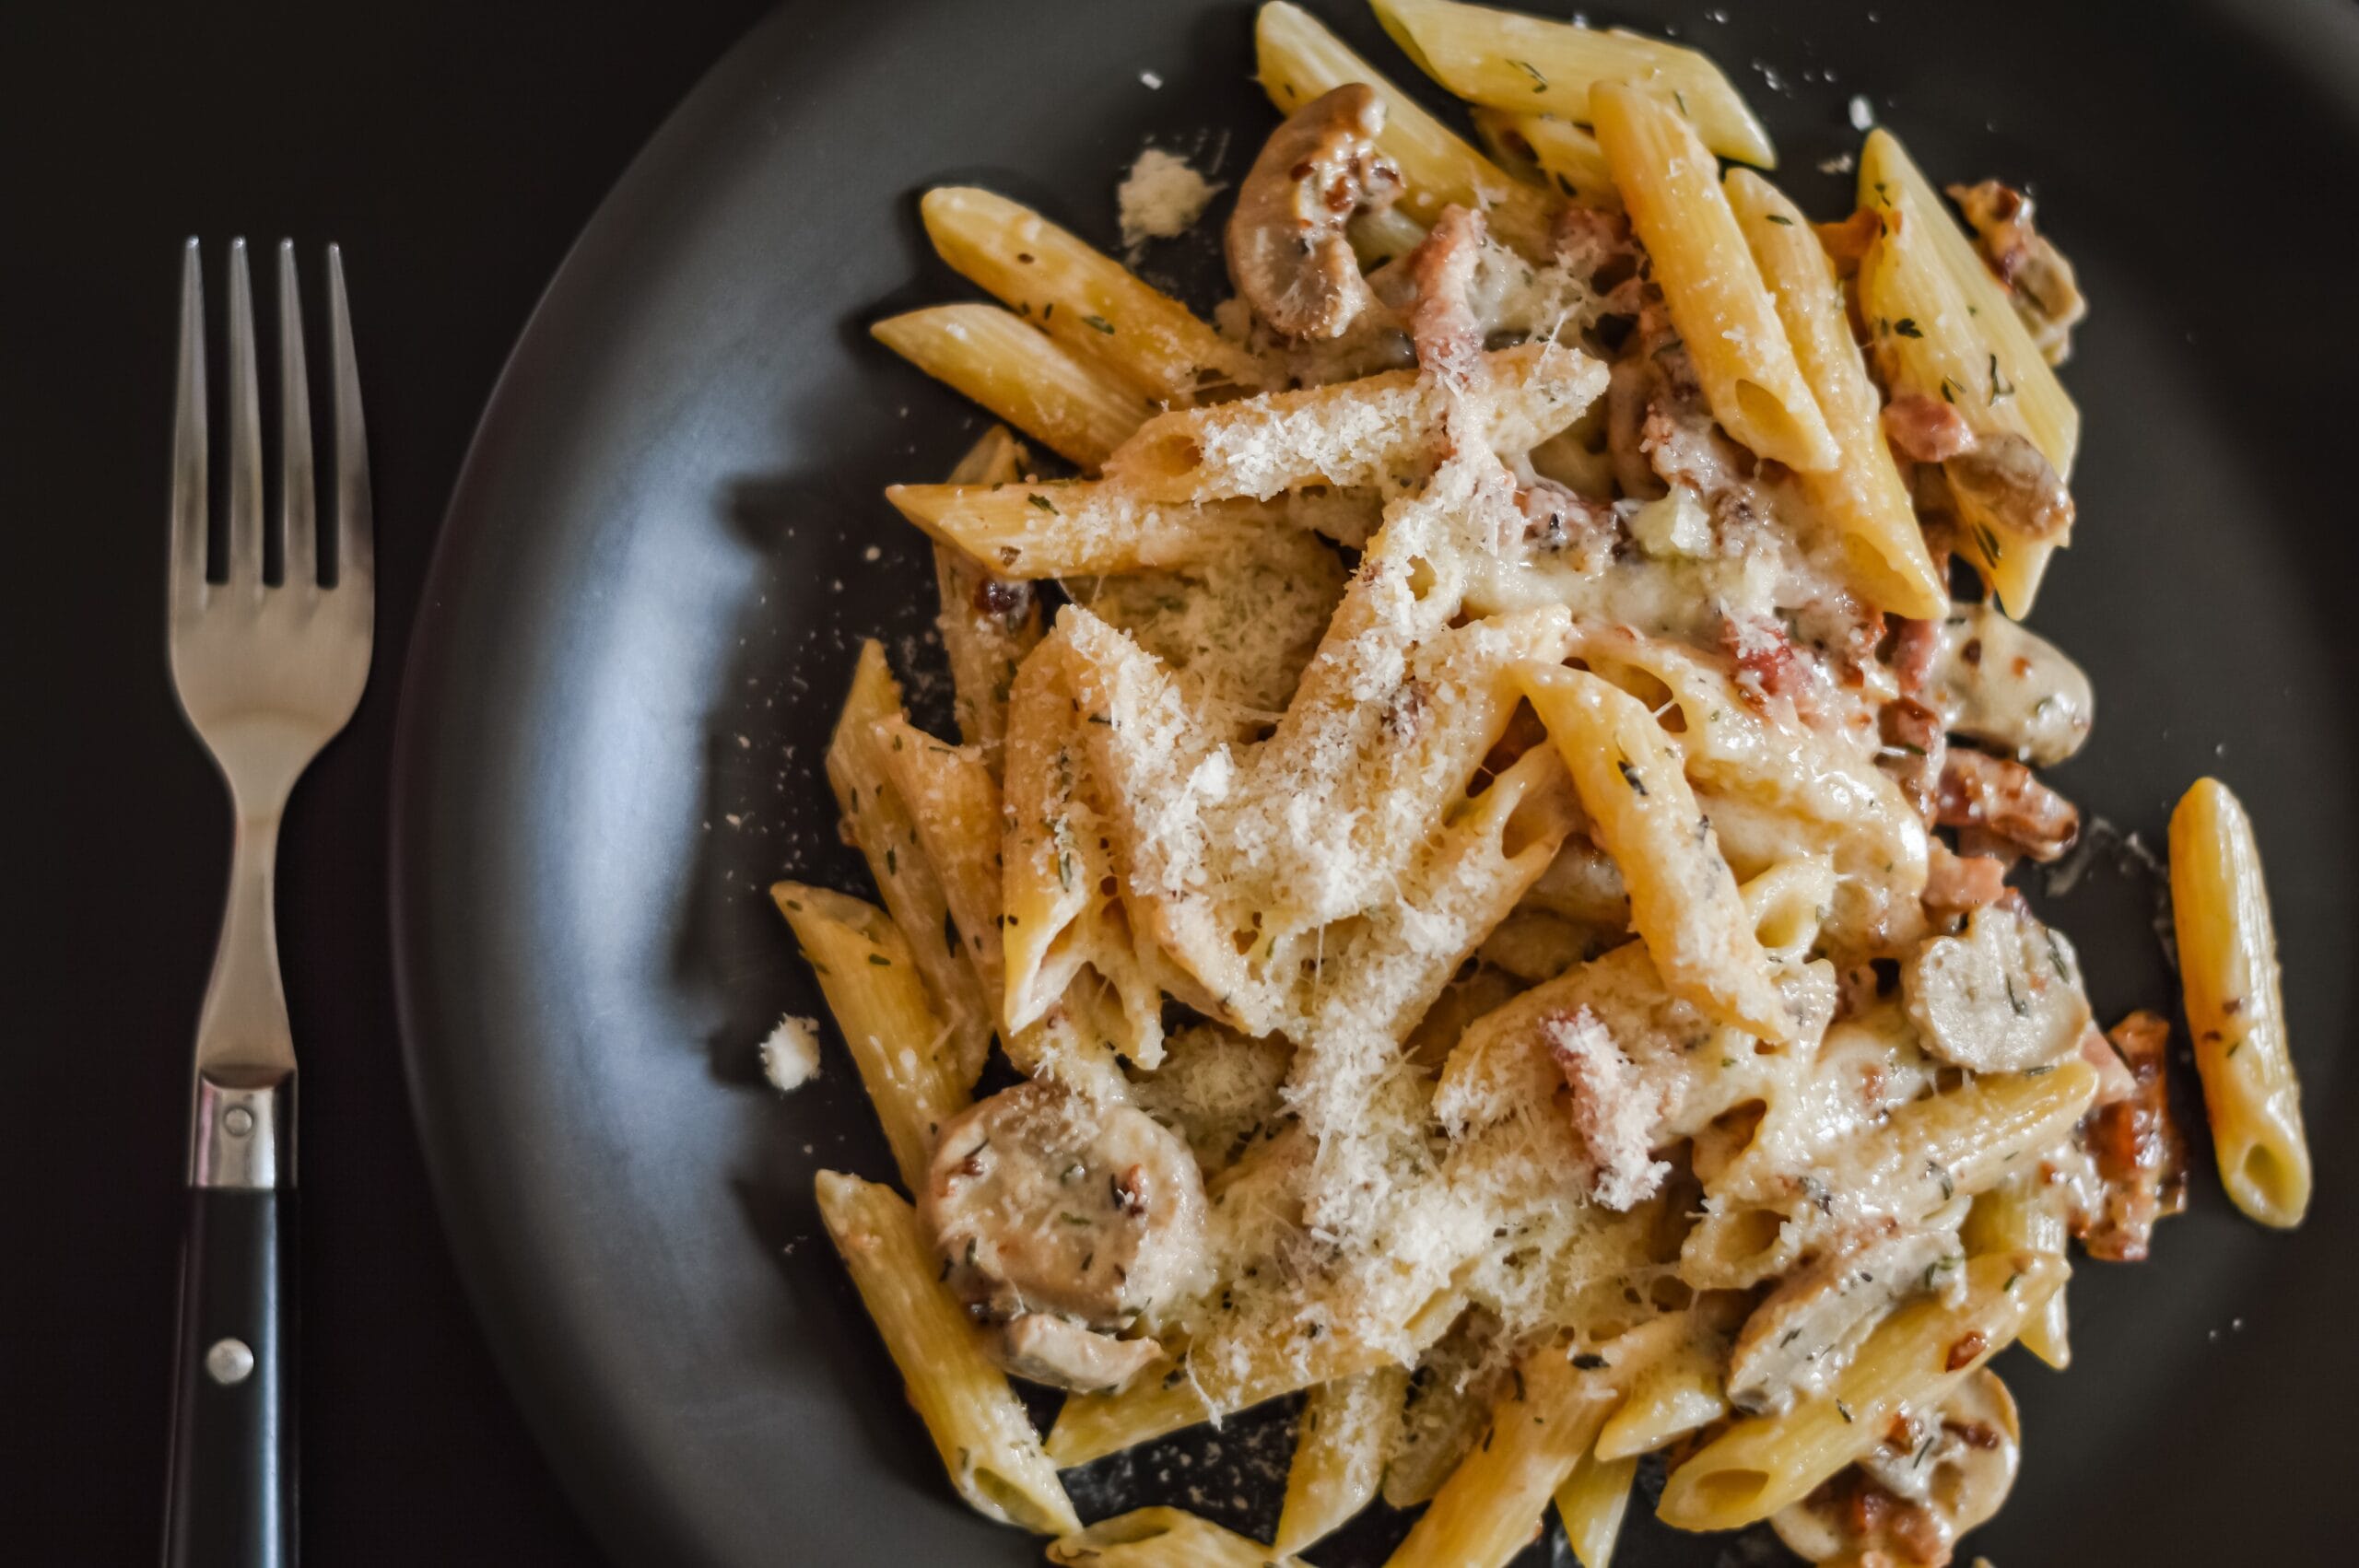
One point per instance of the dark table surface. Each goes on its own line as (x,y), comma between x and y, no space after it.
(454,147)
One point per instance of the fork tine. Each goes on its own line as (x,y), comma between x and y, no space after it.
(245,428)
(355,542)
(189,471)
(298,523)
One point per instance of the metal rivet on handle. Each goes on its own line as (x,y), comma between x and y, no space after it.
(238,1121)
(229,1361)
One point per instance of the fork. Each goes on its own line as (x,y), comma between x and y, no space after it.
(265,675)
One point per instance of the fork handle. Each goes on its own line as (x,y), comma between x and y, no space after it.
(232,1502)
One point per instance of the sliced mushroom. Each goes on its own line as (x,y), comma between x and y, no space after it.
(1935,1476)
(1809,1328)
(1062,1354)
(1287,250)
(2007,687)
(2005,482)
(1040,1200)
(2003,996)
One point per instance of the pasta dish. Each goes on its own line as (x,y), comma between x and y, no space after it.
(1472,886)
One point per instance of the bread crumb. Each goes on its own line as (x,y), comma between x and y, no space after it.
(1150,80)
(1161,197)
(1863,113)
(790,1054)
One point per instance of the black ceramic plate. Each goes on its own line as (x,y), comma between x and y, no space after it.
(669,535)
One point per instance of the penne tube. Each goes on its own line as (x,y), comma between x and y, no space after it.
(1530,64)
(2027,1213)
(1079,528)
(1495,1501)
(1671,189)
(1864,494)
(1299,60)
(879,823)
(897,1043)
(1352,434)
(1927,332)
(1076,407)
(1683,900)
(1094,307)
(1162,1537)
(979,1427)
(1683,1392)
(2048,413)
(953,806)
(1340,1443)
(2235,1006)
(1555,152)
(1169,1396)
(988,623)
(1590,1505)
(1913,1360)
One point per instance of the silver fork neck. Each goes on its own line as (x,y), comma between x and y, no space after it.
(241,1133)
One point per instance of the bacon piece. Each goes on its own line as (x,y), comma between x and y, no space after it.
(2141,1152)
(1612,1109)
(1916,750)
(1596,246)
(1848,240)
(1916,647)
(1953,882)
(2003,799)
(1441,323)
(1766,664)
(1926,430)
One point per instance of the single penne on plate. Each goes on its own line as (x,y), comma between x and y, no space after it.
(1683,900)
(900,1047)
(1341,1443)
(1299,60)
(2235,1006)
(1162,1537)
(2048,413)
(1529,64)
(1911,1361)
(1671,186)
(1863,495)
(1078,409)
(1094,306)
(979,1427)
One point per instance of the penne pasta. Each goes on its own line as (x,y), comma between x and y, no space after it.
(1300,60)
(2027,1213)
(1552,151)
(1091,304)
(1684,902)
(1723,311)
(1079,528)
(1590,1505)
(1162,1537)
(1682,1392)
(1353,434)
(1071,406)
(2048,413)
(1494,1501)
(2236,1008)
(878,821)
(988,623)
(1912,1360)
(1863,495)
(979,1426)
(1528,65)
(1341,1441)
(898,1044)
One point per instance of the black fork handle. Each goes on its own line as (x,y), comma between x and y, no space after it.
(232,1502)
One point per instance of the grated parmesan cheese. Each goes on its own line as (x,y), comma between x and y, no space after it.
(1162,197)
(790,1053)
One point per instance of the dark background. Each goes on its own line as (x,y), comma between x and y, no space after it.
(454,148)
